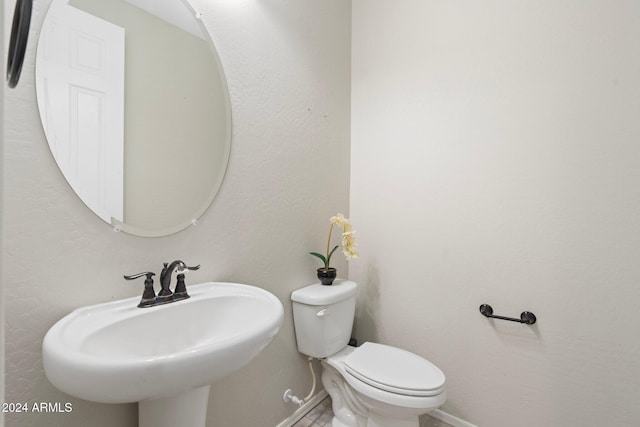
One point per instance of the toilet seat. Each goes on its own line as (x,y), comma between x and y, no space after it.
(373,392)
(394,370)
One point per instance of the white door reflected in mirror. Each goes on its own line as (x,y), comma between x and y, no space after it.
(135,107)
(82,105)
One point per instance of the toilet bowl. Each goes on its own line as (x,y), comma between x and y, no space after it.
(393,386)
(373,385)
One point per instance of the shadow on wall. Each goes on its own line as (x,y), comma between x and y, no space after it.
(368,306)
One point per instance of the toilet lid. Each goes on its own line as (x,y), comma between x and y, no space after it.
(394,370)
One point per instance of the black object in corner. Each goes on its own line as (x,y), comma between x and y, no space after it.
(18,40)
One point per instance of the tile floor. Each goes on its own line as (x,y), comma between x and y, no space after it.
(319,416)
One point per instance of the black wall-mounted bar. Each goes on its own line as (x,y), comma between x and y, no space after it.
(526,317)
(18,40)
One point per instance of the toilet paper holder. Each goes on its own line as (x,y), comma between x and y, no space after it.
(526,317)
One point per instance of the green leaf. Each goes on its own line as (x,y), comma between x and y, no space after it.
(329,257)
(324,260)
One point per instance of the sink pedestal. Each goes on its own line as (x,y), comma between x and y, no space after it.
(188,409)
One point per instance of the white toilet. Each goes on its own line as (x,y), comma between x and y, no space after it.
(373,385)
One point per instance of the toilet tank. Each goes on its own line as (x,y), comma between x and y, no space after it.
(323,317)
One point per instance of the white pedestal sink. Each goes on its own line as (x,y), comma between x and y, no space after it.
(164,357)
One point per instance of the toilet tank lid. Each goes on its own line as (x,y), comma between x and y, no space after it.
(318,294)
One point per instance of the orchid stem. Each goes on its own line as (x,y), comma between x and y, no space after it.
(328,245)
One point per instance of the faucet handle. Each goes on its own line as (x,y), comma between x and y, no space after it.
(149,275)
(180,292)
(149,295)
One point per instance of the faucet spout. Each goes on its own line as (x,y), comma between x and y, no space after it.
(165,277)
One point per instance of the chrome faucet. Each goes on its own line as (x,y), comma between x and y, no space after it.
(165,295)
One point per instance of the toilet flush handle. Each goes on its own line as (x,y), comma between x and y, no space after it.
(322,313)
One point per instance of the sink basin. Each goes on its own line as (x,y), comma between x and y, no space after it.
(116,352)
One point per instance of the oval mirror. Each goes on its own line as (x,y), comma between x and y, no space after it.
(135,107)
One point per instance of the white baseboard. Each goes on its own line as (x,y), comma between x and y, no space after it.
(302,411)
(449,419)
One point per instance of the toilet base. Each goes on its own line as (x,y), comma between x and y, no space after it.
(335,422)
(378,421)
(350,410)
(374,421)
(371,422)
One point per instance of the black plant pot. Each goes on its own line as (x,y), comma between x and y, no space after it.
(327,275)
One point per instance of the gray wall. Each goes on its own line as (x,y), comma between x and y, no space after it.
(288,69)
(503,139)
